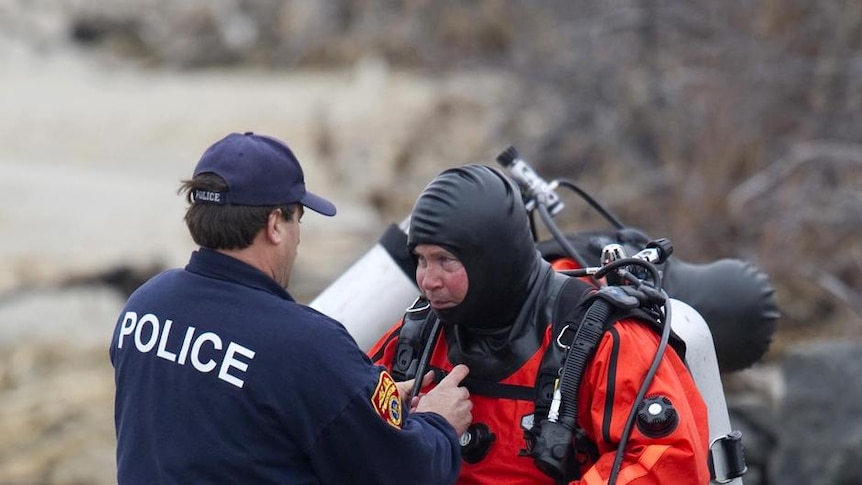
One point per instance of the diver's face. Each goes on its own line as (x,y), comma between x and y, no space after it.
(441,277)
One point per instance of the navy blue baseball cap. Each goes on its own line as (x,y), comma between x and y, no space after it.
(259,171)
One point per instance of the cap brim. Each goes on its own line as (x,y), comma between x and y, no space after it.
(318,204)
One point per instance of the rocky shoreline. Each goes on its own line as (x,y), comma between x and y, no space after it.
(107,105)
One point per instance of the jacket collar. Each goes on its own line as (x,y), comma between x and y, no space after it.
(213,264)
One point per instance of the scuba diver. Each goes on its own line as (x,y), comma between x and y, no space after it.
(571,381)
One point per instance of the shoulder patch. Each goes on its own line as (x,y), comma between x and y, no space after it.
(386,400)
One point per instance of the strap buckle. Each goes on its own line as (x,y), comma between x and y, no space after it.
(560,343)
(726,457)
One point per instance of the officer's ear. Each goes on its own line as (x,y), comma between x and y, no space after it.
(274,230)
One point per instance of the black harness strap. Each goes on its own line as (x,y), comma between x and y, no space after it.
(379,354)
(568,313)
(570,341)
(490,389)
(498,390)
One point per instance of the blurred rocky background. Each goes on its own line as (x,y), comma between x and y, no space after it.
(732,128)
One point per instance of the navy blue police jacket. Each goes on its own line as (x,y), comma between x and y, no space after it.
(221,377)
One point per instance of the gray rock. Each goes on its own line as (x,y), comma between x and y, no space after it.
(820,432)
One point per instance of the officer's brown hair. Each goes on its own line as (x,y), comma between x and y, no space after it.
(224,226)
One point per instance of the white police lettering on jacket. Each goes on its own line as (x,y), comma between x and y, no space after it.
(150,332)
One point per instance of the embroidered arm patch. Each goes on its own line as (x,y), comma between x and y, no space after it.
(386,400)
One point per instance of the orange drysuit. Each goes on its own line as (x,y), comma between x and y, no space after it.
(609,386)
(501,331)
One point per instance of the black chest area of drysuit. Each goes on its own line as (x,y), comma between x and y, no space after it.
(494,354)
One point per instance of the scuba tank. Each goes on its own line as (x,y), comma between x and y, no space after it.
(372,294)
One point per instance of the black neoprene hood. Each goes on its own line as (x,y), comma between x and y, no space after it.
(477,214)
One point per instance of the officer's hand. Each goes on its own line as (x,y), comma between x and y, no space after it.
(405,388)
(449,400)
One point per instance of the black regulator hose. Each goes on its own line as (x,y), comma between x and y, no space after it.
(552,450)
(593,326)
(559,236)
(655,275)
(662,346)
(425,358)
(592,202)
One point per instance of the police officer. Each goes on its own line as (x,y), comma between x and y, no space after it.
(480,273)
(221,377)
